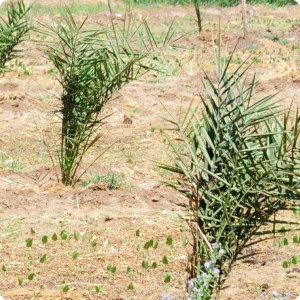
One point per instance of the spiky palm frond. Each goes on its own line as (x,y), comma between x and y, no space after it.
(238,164)
(13,30)
(92,65)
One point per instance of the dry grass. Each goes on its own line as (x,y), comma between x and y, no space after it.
(104,240)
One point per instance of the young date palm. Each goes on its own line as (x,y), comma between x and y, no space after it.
(238,163)
(92,65)
(12,31)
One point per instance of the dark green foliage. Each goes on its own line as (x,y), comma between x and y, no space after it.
(43,258)
(29,243)
(12,31)
(167,278)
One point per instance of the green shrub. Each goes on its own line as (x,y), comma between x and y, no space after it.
(238,164)
(12,31)
(92,65)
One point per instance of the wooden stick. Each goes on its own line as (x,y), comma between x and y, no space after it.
(245,21)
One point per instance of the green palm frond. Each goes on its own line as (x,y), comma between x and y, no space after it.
(13,30)
(92,65)
(238,164)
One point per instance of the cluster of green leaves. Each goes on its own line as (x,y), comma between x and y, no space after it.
(111,181)
(148,263)
(293,259)
(22,66)
(238,163)
(223,3)
(42,258)
(44,245)
(44,250)
(12,31)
